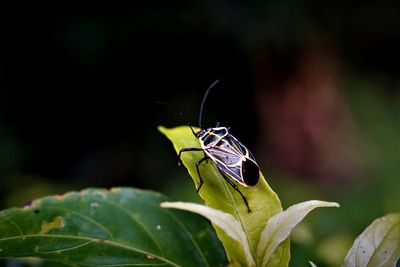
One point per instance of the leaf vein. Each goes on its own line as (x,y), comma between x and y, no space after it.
(65,249)
(382,241)
(88,219)
(189,235)
(126,211)
(91,239)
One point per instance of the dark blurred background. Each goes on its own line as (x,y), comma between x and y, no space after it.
(311,87)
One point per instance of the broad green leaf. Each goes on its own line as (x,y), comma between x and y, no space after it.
(117,227)
(222,220)
(218,194)
(280,226)
(378,245)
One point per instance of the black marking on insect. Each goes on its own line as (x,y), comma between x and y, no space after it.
(233,160)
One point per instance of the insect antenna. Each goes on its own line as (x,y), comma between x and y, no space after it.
(204,100)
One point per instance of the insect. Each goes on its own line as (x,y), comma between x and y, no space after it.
(233,160)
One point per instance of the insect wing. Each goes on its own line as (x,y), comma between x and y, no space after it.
(250,171)
(228,159)
(240,147)
(227,162)
(233,158)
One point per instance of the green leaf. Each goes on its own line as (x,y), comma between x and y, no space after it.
(280,226)
(222,220)
(218,194)
(378,245)
(118,227)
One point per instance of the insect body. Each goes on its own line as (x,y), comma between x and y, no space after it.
(233,160)
(230,156)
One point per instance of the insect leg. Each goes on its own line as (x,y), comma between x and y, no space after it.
(192,131)
(205,155)
(236,188)
(198,172)
(187,149)
(197,163)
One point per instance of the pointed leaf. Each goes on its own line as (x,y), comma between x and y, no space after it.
(378,245)
(218,194)
(280,226)
(223,220)
(118,227)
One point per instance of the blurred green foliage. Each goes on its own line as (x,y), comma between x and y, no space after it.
(364,198)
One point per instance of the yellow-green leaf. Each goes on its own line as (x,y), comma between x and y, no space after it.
(378,245)
(280,226)
(222,220)
(218,194)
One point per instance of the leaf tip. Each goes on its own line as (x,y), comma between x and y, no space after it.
(161,129)
(312,264)
(164,204)
(168,204)
(321,203)
(333,204)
